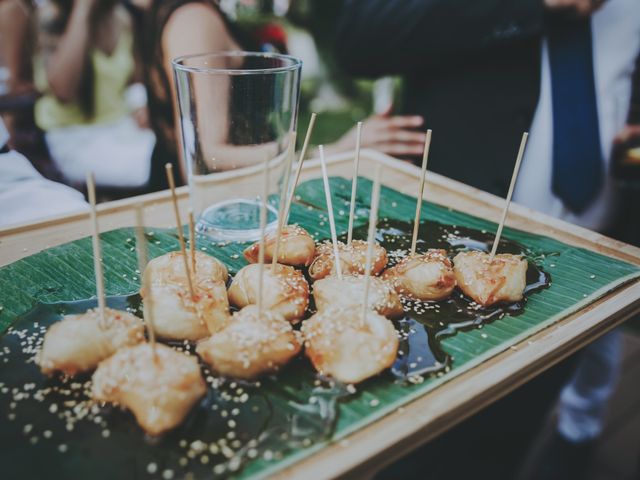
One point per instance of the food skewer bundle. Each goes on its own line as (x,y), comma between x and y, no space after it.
(253,343)
(158,384)
(285,290)
(350,337)
(185,291)
(297,247)
(490,278)
(352,340)
(428,276)
(180,314)
(78,343)
(259,339)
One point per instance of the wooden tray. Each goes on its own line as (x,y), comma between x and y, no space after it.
(394,435)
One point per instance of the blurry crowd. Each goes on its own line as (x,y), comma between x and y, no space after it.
(87,86)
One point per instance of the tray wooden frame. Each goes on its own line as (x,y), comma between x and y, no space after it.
(363,453)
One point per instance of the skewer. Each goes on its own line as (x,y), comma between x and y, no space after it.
(263,227)
(296,179)
(141,250)
(416,221)
(283,196)
(516,169)
(172,185)
(354,184)
(192,241)
(332,222)
(371,239)
(97,255)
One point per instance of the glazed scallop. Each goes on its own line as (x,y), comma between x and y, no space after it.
(487,281)
(285,290)
(159,389)
(251,345)
(297,248)
(332,293)
(353,259)
(177,316)
(343,345)
(169,269)
(78,343)
(427,277)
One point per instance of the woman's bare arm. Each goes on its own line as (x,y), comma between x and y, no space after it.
(66,61)
(192,29)
(15,28)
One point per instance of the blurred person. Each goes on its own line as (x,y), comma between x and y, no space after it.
(16,47)
(25,195)
(626,171)
(16,50)
(173,28)
(582,407)
(585,93)
(471,69)
(84,67)
(561,68)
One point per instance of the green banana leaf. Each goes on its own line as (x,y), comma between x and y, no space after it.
(65,273)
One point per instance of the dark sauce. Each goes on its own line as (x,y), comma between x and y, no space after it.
(54,421)
(49,428)
(426,324)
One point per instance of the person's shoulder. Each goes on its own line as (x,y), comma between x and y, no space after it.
(195,27)
(123,17)
(195,13)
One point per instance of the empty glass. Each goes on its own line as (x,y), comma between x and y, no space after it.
(237,111)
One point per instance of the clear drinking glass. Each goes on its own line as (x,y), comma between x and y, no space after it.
(237,111)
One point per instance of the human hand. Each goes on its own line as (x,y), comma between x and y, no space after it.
(141,117)
(393,135)
(629,132)
(580,7)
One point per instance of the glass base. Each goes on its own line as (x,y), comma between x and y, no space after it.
(236,220)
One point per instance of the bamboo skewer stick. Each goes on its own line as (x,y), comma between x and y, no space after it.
(192,242)
(332,221)
(416,221)
(176,210)
(354,184)
(141,250)
(97,254)
(263,227)
(283,196)
(296,179)
(516,169)
(371,239)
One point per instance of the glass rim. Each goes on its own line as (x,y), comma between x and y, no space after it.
(178,65)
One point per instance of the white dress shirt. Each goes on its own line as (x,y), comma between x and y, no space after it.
(26,196)
(616,43)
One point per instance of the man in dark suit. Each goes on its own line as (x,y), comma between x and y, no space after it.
(471,69)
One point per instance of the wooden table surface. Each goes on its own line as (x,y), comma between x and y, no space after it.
(379,444)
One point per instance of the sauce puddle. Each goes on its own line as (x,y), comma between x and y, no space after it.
(50,428)
(426,324)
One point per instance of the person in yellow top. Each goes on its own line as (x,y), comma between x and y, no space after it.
(84,68)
